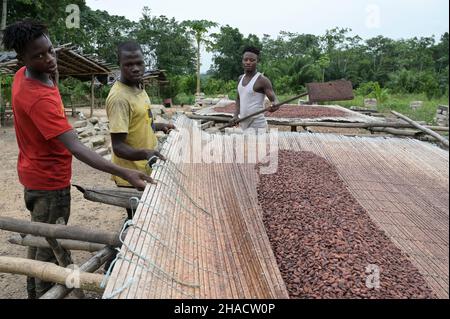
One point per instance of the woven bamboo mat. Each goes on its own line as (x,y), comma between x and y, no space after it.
(199,232)
(403,185)
(175,249)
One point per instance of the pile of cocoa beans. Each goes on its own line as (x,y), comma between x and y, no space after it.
(325,243)
(293,111)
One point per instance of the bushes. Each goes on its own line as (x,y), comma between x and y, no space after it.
(213,86)
(408,81)
(373,90)
(183,98)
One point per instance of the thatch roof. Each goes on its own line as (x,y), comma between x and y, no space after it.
(71,62)
(156,75)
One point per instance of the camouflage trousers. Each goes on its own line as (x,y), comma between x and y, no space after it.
(52,207)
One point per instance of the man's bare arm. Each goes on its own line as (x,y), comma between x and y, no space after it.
(84,154)
(125,151)
(237,111)
(269,92)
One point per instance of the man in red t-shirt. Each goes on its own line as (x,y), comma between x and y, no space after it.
(45,138)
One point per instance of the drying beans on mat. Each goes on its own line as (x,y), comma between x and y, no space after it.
(323,239)
(293,111)
(230,108)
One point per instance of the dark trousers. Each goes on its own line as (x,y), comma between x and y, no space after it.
(51,207)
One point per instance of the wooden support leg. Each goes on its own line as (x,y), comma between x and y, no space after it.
(63,259)
(60,291)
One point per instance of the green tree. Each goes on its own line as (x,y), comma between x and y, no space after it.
(105,33)
(227,46)
(324,62)
(165,43)
(199,30)
(52,13)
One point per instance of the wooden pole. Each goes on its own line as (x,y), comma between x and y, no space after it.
(206,125)
(395,131)
(63,259)
(223,119)
(3,22)
(419,135)
(264,110)
(198,90)
(60,291)
(41,242)
(92,96)
(119,197)
(74,109)
(220,119)
(50,272)
(441,139)
(59,231)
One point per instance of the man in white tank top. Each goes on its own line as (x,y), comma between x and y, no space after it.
(253,87)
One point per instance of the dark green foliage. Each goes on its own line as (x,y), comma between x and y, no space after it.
(290,60)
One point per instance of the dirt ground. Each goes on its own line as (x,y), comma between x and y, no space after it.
(83,212)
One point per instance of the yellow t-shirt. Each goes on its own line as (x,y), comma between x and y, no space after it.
(128,111)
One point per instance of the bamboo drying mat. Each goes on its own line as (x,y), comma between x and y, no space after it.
(402,184)
(184,252)
(350,116)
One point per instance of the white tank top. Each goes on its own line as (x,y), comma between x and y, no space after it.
(251,102)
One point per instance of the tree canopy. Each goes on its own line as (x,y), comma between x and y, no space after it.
(415,65)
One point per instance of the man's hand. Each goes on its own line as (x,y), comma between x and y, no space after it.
(154,155)
(274,108)
(168,127)
(137,179)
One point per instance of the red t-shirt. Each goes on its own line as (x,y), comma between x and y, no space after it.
(44,162)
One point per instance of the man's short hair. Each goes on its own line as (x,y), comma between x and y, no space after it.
(128,46)
(251,49)
(17,35)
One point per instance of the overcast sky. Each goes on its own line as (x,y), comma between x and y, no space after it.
(368,18)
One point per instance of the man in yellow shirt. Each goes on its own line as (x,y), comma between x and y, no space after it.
(130,117)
